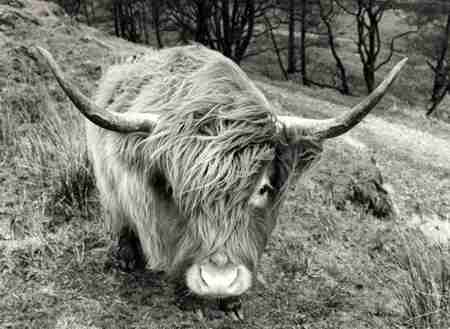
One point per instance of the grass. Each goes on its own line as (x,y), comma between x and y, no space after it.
(58,164)
(18,111)
(423,289)
(320,265)
(425,296)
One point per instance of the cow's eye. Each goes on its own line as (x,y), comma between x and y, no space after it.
(161,184)
(169,190)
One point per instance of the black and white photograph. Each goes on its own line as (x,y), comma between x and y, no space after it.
(222,164)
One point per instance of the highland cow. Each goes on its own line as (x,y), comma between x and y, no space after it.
(192,163)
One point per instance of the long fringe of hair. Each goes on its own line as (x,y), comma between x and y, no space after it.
(216,133)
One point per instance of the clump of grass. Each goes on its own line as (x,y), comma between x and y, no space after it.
(5,123)
(21,105)
(43,143)
(23,100)
(53,153)
(424,289)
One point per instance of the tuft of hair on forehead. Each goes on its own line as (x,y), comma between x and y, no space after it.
(210,114)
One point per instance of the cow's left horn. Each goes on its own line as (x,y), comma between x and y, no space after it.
(120,122)
(296,128)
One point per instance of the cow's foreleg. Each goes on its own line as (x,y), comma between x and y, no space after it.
(207,308)
(232,306)
(127,253)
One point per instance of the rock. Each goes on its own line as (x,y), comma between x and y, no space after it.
(92,69)
(362,184)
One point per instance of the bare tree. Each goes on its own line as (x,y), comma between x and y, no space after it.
(432,19)
(74,8)
(297,13)
(224,25)
(368,15)
(132,19)
(125,19)
(88,10)
(157,9)
(292,58)
(270,28)
(303,26)
(327,16)
(441,81)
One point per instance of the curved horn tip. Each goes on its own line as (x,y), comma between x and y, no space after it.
(333,127)
(119,122)
(402,62)
(341,124)
(81,102)
(398,67)
(41,50)
(45,54)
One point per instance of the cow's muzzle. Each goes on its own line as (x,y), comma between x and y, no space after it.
(217,277)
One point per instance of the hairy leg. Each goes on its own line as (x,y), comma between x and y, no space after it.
(127,253)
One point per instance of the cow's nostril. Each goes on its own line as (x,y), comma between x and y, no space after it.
(202,278)
(236,277)
(219,259)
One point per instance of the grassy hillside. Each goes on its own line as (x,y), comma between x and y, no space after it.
(332,263)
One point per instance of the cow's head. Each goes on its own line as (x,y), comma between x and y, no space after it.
(223,172)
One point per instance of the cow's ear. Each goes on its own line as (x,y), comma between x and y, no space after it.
(308,152)
(294,159)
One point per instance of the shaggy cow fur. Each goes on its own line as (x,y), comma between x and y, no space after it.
(185,189)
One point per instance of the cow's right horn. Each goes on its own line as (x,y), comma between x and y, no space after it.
(297,128)
(120,122)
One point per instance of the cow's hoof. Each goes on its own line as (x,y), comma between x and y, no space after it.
(232,307)
(208,309)
(215,312)
(127,254)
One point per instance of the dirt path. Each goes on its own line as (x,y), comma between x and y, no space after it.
(415,144)
(339,41)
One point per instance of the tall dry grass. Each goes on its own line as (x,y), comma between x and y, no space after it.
(54,153)
(46,144)
(423,290)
